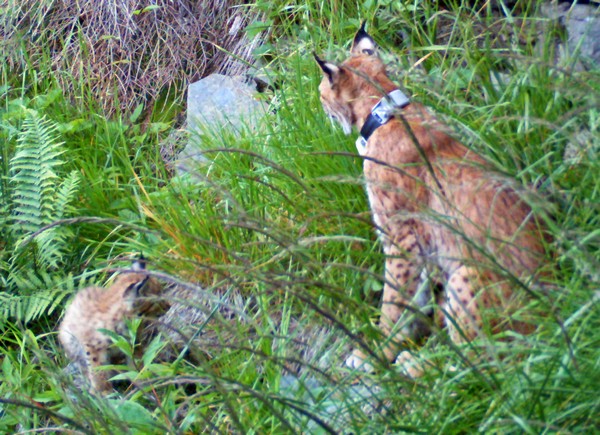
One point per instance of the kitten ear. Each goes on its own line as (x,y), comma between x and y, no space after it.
(331,70)
(135,290)
(363,43)
(139,264)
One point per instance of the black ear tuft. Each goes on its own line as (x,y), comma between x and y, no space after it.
(363,43)
(320,61)
(134,290)
(362,33)
(140,263)
(331,70)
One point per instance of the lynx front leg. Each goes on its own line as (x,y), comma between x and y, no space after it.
(96,357)
(463,317)
(402,270)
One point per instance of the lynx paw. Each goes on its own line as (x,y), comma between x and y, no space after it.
(356,361)
(410,365)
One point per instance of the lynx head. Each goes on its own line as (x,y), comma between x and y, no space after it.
(141,291)
(359,80)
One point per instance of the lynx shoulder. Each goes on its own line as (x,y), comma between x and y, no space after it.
(93,308)
(437,205)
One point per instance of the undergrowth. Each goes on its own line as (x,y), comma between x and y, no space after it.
(275,232)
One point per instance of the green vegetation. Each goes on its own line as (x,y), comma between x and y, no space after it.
(280,219)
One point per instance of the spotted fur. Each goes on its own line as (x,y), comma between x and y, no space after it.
(437,205)
(94,308)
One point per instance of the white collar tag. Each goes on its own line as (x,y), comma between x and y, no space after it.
(384,110)
(381,113)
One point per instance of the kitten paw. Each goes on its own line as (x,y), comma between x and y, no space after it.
(357,361)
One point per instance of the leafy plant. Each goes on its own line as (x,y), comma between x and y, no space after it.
(38,196)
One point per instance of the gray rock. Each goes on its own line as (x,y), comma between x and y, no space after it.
(331,403)
(215,103)
(581,148)
(582,23)
(583,27)
(224,315)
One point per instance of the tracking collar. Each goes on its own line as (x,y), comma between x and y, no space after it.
(381,113)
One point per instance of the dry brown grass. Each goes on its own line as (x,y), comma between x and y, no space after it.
(126,51)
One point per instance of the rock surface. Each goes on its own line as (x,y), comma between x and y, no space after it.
(582,24)
(213,103)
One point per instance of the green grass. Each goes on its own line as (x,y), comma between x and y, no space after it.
(280,218)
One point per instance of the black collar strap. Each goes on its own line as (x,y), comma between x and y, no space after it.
(381,113)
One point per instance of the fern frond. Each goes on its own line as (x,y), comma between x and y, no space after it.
(54,243)
(38,196)
(38,295)
(32,172)
(52,246)
(65,194)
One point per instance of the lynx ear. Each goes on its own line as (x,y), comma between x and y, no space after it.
(363,43)
(332,71)
(133,291)
(139,264)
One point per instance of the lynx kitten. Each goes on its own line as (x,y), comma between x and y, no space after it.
(93,308)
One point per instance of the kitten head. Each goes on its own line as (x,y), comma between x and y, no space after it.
(141,291)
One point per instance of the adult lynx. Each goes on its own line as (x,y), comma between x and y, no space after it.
(435,204)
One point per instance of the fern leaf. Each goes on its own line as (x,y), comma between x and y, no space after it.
(38,296)
(37,156)
(31,171)
(65,194)
(38,195)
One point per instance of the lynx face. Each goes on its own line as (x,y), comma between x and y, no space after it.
(437,206)
(335,108)
(93,308)
(345,85)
